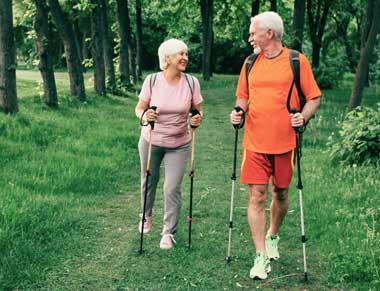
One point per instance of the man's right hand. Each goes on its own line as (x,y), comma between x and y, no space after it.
(236,117)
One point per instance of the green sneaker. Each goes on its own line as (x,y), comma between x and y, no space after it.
(261,268)
(271,246)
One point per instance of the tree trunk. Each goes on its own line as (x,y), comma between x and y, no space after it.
(207,22)
(107,46)
(86,35)
(317,17)
(342,22)
(8,93)
(74,63)
(139,36)
(122,11)
(131,55)
(367,21)
(97,48)
(365,56)
(255,7)
(41,26)
(298,24)
(273,5)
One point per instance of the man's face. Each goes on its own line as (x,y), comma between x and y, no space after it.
(258,38)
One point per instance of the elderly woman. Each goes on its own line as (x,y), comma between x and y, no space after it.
(174,94)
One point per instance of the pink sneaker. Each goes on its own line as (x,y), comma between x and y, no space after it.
(167,241)
(147,224)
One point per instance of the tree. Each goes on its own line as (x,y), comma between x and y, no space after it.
(97,48)
(139,36)
(107,46)
(255,7)
(124,30)
(74,63)
(317,12)
(365,54)
(273,5)
(45,65)
(207,37)
(8,93)
(298,24)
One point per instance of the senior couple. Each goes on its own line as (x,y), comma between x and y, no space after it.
(269,137)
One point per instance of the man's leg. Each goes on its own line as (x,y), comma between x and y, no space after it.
(257,223)
(257,216)
(278,208)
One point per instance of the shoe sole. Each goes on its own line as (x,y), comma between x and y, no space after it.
(262,277)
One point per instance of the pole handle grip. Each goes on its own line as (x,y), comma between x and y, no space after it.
(152,122)
(241,124)
(193,113)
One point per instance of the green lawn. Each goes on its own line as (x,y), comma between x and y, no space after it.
(69,203)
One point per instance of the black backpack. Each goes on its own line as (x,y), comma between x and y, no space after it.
(295,65)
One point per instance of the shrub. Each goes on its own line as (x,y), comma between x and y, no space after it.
(330,72)
(359,137)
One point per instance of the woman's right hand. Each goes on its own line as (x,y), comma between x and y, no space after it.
(151,115)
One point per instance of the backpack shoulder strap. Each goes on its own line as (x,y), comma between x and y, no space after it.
(249,64)
(295,65)
(152,81)
(191,83)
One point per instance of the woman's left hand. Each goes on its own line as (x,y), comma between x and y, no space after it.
(195,120)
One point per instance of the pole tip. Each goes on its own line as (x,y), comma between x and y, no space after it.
(228,259)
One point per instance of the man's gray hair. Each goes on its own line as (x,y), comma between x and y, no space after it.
(270,20)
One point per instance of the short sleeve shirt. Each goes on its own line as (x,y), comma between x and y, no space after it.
(173,103)
(268,128)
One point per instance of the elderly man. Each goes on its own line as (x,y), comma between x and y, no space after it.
(269,136)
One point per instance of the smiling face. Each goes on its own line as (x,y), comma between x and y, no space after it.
(178,60)
(258,37)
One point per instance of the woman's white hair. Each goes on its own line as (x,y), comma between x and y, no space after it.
(168,48)
(270,20)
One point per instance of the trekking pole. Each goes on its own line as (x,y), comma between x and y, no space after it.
(298,131)
(192,167)
(146,181)
(233,179)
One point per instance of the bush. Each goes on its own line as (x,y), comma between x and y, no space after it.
(330,72)
(359,137)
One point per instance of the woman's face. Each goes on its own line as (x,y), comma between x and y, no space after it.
(178,60)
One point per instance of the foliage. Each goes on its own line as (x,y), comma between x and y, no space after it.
(330,71)
(70,203)
(359,137)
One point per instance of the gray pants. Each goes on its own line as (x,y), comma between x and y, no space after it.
(175,161)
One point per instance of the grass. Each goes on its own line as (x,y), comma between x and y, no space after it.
(70,202)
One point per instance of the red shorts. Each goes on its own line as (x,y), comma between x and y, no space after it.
(257,168)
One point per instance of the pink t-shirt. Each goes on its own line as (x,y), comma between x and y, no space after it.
(173,104)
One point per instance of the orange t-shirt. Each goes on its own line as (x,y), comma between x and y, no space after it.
(268,128)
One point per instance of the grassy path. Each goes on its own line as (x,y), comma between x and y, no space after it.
(99,210)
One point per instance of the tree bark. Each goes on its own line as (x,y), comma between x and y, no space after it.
(365,56)
(255,7)
(139,36)
(41,26)
(74,63)
(367,22)
(317,16)
(97,48)
(207,22)
(298,24)
(122,11)
(273,5)
(8,92)
(107,46)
